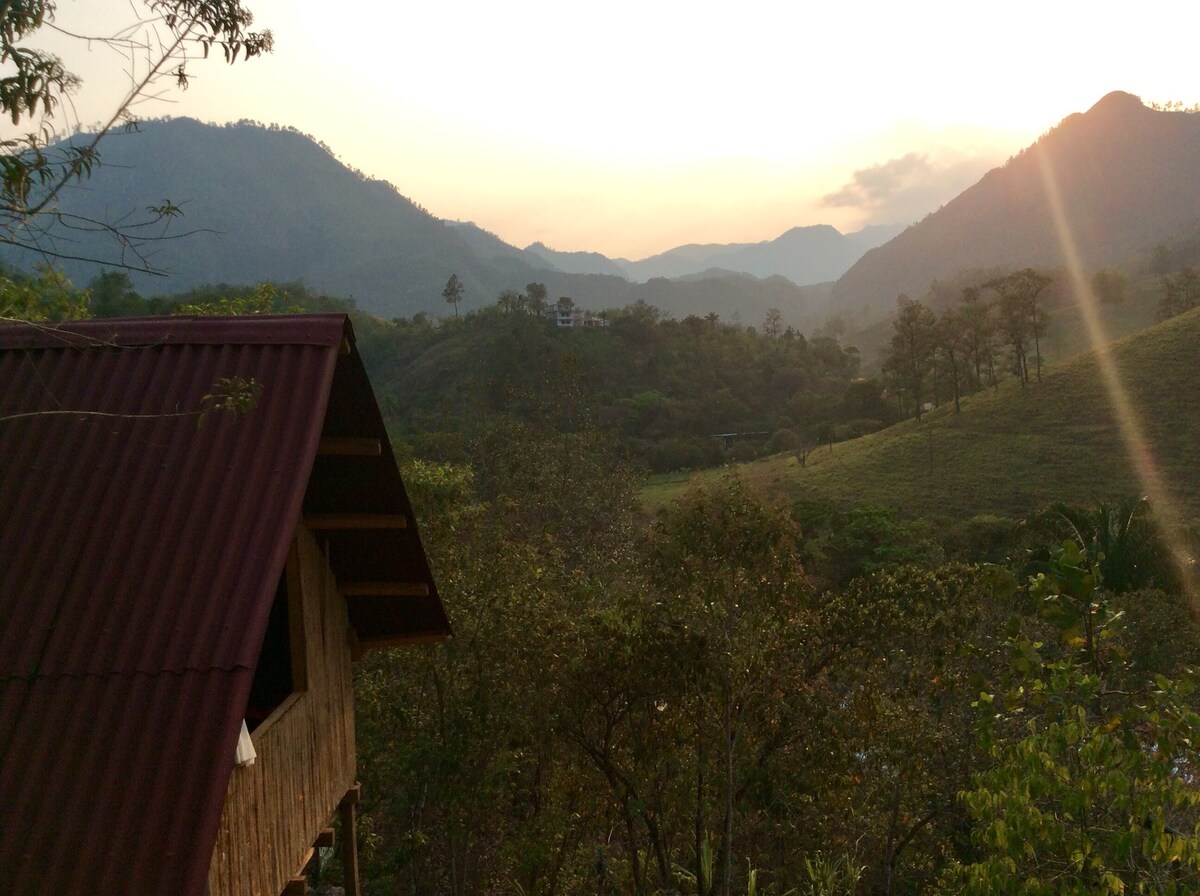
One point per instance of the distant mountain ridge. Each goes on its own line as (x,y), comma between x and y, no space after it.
(264,203)
(576,262)
(267,204)
(1126,175)
(805,255)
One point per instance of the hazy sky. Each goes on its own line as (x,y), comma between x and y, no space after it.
(632,126)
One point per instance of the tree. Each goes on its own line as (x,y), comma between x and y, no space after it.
(953,336)
(47,295)
(981,325)
(726,566)
(453,292)
(1124,543)
(1021,316)
(509,301)
(35,90)
(1182,293)
(773,324)
(910,355)
(912,739)
(1109,285)
(470,785)
(536,298)
(1160,259)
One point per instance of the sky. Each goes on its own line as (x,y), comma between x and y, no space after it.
(633,126)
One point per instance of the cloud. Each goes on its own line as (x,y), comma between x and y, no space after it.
(907,188)
(879,183)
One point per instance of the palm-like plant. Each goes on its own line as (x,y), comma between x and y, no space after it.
(1122,539)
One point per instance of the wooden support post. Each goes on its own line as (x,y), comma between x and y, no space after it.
(346,446)
(325,839)
(326,522)
(348,809)
(385,589)
(297,886)
(401,640)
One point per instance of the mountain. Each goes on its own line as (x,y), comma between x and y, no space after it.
(488,246)
(575,262)
(264,203)
(815,254)
(1126,176)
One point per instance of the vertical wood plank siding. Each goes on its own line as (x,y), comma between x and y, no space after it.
(275,809)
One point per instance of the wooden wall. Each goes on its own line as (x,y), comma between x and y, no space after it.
(275,808)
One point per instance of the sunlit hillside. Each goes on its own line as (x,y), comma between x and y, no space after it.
(1013,450)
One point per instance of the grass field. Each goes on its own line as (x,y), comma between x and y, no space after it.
(1013,450)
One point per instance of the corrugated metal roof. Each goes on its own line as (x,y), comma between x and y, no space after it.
(139,556)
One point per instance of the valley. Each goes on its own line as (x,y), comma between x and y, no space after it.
(837,564)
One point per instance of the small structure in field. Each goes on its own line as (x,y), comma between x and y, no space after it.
(201,525)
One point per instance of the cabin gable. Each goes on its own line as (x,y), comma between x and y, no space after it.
(305,764)
(159,588)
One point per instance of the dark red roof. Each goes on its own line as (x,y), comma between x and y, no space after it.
(139,556)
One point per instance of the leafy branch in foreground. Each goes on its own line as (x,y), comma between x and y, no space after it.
(47,295)
(160,41)
(1098,795)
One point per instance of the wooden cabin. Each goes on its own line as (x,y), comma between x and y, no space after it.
(201,526)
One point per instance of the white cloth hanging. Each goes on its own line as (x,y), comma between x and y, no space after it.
(245,747)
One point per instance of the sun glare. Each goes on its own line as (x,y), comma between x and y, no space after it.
(1166,510)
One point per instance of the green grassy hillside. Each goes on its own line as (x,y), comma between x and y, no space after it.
(1012,450)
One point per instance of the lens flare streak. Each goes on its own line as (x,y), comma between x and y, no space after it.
(1141,455)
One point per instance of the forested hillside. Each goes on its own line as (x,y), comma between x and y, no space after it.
(1017,447)
(747,693)
(744,696)
(670,394)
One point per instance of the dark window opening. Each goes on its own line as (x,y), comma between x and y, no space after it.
(274,677)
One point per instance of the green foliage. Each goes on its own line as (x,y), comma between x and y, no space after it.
(1181,292)
(1110,285)
(1013,451)
(909,362)
(783,440)
(681,710)
(1095,793)
(826,875)
(113,295)
(47,295)
(1124,542)
(470,787)
(453,292)
(931,359)
(1021,317)
(645,714)
(840,546)
(662,388)
(229,395)
(266,298)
